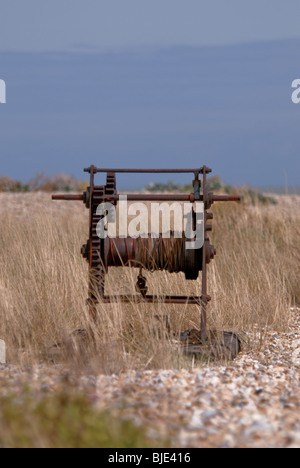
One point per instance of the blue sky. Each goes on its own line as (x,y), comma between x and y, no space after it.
(97,25)
(151,84)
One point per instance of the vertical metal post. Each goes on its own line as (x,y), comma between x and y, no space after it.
(92,298)
(204,265)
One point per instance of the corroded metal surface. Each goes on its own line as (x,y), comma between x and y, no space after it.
(159,253)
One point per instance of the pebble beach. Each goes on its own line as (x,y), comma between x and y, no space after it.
(251,402)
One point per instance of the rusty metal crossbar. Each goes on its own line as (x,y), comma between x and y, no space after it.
(149,171)
(168,299)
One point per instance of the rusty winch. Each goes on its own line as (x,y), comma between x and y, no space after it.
(188,251)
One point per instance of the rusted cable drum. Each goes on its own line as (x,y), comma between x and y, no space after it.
(169,254)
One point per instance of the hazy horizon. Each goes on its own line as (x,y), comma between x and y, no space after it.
(160,84)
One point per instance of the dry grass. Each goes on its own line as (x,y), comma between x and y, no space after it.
(43,286)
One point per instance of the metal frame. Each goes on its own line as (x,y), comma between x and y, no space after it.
(93,251)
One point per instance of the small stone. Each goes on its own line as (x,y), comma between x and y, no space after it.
(296,356)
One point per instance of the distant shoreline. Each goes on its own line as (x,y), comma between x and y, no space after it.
(280,190)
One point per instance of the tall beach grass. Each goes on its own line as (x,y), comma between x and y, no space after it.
(253,281)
